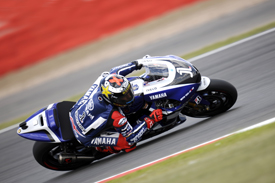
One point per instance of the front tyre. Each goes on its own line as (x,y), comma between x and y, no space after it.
(46,154)
(220,94)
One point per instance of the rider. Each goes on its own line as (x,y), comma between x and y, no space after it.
(102,107)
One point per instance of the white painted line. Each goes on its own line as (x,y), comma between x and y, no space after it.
(9,128)
(271,120)
(186,150)
(231,45)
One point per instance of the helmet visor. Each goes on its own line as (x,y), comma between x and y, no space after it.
(124,99)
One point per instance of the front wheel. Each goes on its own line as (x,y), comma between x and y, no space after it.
(46,154)
(220,94)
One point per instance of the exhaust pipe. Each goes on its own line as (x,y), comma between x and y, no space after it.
(65,158)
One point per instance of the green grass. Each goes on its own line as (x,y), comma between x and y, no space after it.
(241,158)
(229,41)
(187,56)
(15,121)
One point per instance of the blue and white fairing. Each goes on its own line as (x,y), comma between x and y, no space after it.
(168,77)
(42,126)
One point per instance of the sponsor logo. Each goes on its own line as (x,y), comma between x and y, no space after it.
(198,99)
(139,135)
(80,126)
(135,87)
(91,116)
(127,131)
(127,89)
(161,79)
(157,96)
(186,71)
(151,89)
(90,105)
(122,121)
(116,80)
(187,94)
(147,60)
(149,122)
(78,123)
(76,132)
(105,91)
(87,94)
(90,91)
(104,141)
(81,117)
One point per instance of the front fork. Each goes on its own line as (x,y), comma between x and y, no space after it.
(197,102)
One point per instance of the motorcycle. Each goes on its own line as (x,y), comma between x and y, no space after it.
(168,82)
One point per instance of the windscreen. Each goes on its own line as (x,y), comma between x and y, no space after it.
(156,71)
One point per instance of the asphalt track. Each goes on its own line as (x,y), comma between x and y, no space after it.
(249,66)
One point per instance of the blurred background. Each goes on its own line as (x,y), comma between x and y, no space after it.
(64,41)
(32,30)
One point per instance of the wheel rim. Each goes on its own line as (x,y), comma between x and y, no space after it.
(217,100)
(51,158)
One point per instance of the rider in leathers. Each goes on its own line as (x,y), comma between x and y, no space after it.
(102,107)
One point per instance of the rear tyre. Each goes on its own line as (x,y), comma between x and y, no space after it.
(46,154)
(220,94)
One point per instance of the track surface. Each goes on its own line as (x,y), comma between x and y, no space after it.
(249,66)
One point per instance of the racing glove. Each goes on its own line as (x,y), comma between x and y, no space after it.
(138,65)
(154,117)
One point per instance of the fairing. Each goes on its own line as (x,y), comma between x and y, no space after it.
(168,78)
(42,126)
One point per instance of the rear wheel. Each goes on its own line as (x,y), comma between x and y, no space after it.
(46,154)
(220,94)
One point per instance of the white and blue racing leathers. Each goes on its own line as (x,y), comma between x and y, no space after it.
(92,115)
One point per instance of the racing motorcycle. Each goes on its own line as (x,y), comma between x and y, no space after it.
(169,83)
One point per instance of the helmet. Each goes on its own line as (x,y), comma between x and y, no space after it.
(117,90)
